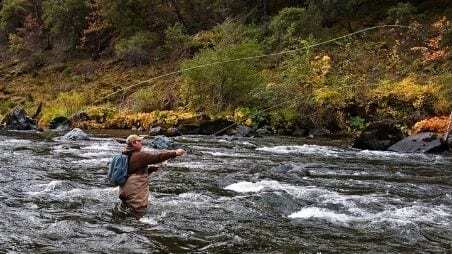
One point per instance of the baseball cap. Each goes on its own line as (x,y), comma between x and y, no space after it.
(133,138)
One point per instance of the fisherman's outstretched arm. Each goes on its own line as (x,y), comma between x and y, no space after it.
(161,156)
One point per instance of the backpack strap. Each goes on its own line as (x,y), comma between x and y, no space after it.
(129,155)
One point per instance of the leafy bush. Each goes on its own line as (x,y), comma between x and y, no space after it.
(406,99)
(151,99)
(293,24)
(177,42)
(12,14)
(227,33)
(401,12)
(221,86)
(250,116)
(65,104)
(135,49)
(357,123)
(66,19)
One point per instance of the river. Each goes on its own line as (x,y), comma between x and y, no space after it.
(227,195)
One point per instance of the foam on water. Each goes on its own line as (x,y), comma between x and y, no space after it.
(327,151)
(322,213)
(149,221)
(304,149)
(245,187)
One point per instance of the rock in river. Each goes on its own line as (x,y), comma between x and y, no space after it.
(76,134)
(379,136)
(17,119)
(425,142)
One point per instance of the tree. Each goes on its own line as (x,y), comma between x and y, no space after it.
(66,20)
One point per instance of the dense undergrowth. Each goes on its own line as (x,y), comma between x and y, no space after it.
(389,73)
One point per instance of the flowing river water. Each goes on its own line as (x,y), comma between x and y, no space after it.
(227,195)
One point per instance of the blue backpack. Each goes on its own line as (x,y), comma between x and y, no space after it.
(117,172)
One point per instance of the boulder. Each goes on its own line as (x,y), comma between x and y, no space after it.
(76,134)
(154,131)
(266,130)
(172,132)
(17,119)
(425,142)
(319,132)
(243,131)
(379,136)
(161,142)
(60,123)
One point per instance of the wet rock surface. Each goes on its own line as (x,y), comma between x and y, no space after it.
(17,119)
(379,136)
(76,134)
(425,142)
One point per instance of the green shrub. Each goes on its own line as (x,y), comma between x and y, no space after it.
(218,87)
(66,19)
(401,12)
(357,123)
(148,100)
(65,104)
(134,50)
(293,24)
(407,98)
(177,42)
(226,34)
(13,13)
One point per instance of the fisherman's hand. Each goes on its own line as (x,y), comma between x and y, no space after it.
(180,152)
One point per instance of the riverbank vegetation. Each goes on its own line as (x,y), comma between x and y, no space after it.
(70,54)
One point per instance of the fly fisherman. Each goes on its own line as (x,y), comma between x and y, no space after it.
(134,193)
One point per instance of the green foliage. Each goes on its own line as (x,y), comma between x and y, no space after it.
(401,13)
(66,19)
(219,87)
(177,42)
(65,104)
(293,24)
(13,13)
(284,118)
(227,33)
(127,17)
(357,123)
(148,100)
(135,49)
(407,98)
(252,117)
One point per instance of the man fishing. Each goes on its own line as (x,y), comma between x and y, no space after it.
(134,193)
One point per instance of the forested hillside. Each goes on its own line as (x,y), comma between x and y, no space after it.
(71,54)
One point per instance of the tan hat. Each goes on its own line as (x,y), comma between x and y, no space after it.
(133,138)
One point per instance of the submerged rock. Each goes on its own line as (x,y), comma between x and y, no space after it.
(161,142)
(76,134)
(243,131)
(379,136)
(425,142)
(266,130)
(154,131)
(17,119)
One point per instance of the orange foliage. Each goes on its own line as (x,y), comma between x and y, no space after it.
(434,124)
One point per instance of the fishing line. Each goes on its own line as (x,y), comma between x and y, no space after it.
(141,83)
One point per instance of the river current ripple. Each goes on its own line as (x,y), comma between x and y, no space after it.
(226,196)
